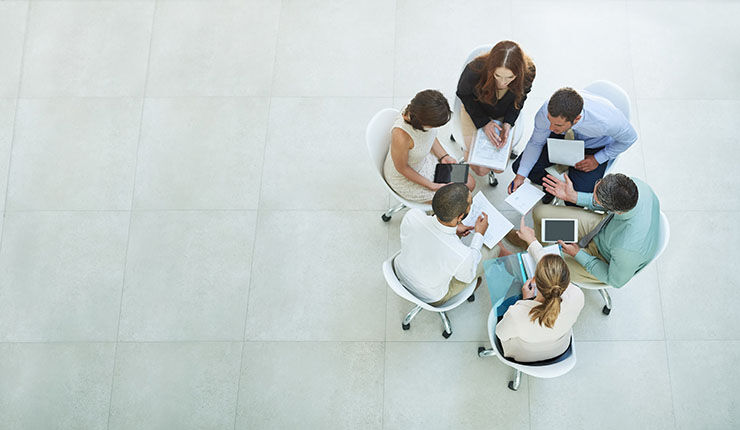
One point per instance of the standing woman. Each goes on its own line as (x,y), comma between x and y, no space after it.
(493,87)
(415,151)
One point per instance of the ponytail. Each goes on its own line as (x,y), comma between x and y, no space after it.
(552,278)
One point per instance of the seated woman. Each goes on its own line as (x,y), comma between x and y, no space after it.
(493,88)
(415,150)
(538,327)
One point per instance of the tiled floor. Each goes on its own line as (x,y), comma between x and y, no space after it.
(191,231)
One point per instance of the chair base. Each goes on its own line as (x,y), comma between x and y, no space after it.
(607,309)
(514,384)
(471,299)
(406,324)
(492,180)
(483,352)
(389,213)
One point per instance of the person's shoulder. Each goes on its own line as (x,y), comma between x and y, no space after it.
(399,135)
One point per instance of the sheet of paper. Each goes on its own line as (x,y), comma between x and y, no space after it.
(498,225)
(484,153)
(525,197)
(529,263)
(568,152)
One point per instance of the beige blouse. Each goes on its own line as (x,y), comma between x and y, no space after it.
(526,341)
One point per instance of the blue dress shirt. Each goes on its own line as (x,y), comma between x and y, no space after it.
(601,125)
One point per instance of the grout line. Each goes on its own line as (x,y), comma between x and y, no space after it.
(257,217)
(131,213)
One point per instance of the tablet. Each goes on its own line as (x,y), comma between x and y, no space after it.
(559,229)
(445,173)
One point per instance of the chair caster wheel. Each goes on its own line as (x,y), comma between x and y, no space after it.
(513,156)
(452,138)
(385,218)
(405,326)
(446,334)
(606,310)
(511,386)
(492,180)
(481,349)
(471,299)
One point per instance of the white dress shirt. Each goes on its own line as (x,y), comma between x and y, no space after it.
(602,125)
(525,340)
(432,254)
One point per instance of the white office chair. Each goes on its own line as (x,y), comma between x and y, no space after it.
(663,237)
(551,368)
(456,124)
(378,139)
(618,97)
(390,277)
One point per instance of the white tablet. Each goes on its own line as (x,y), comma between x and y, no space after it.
(559,229)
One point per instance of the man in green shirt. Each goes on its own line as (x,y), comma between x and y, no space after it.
(623,243)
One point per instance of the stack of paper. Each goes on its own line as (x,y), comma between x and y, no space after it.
(530,264)
(525,197)
(484,152)
(498,225)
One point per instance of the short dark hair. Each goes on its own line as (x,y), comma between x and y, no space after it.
(566,102)
(450,201)
(617,192)
(429,107)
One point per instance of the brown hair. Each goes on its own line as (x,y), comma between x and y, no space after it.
(565,102)
(506,54)
(552,278)
(429,107)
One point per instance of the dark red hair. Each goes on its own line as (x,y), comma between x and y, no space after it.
(506,54)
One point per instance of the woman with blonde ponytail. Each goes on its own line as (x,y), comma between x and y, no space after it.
(536,326)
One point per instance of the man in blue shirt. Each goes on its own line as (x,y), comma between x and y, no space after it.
(605,130)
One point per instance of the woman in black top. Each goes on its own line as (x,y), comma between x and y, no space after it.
(492,87)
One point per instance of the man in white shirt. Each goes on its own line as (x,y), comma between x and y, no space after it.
(434,264)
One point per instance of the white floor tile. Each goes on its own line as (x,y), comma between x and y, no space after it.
(317,276)
(201,153)
(12,32)
(661,33)
(74,154)
(87,49)
(345,49)
(175,385)
(61,275)
(55,385)
(316,156)
(213,49)
(328,385)
(187,276)
(615,385)
(696,280)
(7,117)
(705,384)
(446,385)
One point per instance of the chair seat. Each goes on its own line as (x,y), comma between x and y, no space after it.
(547,362)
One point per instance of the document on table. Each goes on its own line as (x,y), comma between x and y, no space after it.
(525,197)
(530,264)
(568,152)
(484,153)
(498,225)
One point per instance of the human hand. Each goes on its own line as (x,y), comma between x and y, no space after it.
(569,248)
(525,233)
(528,290)
(505,133)
(516,183)
(437,185)
(490,129)
(463,230)
(448,160)
(587,164)
(481,224)
(559,189)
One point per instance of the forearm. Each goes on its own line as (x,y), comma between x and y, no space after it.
(437,149)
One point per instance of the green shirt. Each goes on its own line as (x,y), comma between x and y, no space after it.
(628,242)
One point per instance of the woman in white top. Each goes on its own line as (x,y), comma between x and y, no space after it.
(415,150)
(540,328)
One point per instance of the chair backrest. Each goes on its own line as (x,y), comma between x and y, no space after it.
(612,92)
(378,136)
(546,369)
(664,234)
(457,104)
(390,277)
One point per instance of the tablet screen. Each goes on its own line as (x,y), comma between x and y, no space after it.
(445,173)
(559,229)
